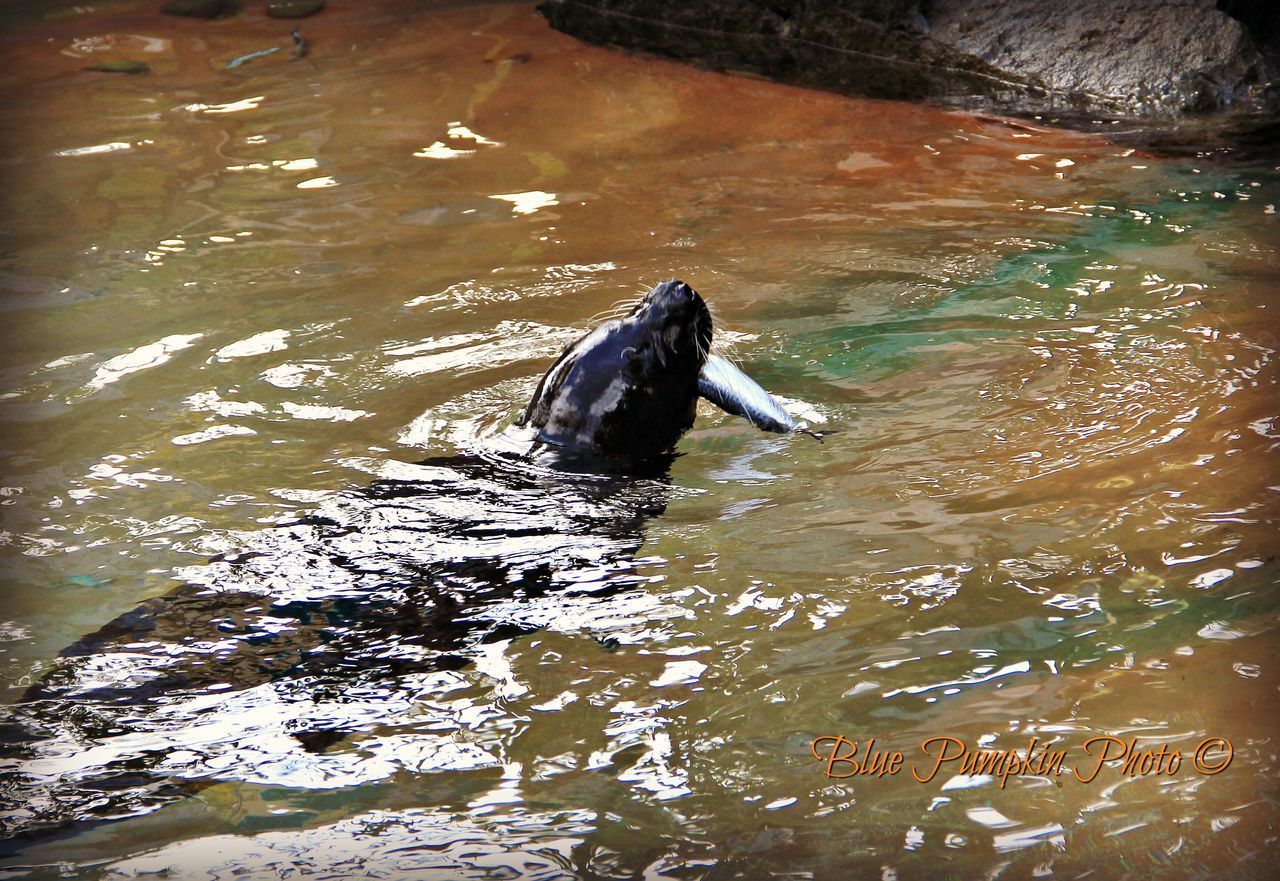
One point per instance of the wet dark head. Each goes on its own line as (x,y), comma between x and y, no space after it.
(629,388)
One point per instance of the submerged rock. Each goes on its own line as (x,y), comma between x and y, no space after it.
(1112,58)
(127,65)
(199,8)
(294,8)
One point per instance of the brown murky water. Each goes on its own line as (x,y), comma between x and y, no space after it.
(1048,510)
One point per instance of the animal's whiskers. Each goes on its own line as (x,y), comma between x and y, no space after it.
(726,348)
(705,349)
(617,309)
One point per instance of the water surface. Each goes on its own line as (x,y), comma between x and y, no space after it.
(235,296)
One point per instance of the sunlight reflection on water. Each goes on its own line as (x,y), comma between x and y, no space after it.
(244,301)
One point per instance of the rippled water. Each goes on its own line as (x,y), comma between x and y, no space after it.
(235,299)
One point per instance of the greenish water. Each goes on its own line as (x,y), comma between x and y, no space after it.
(232,297)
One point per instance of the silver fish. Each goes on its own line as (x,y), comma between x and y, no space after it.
(724,385)
(261,53)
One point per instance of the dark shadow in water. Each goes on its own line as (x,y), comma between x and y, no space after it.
(405,577)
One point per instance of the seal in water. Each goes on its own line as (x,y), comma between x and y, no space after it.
(342,624)
(629,388)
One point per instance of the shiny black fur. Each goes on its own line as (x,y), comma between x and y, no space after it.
(629,388)
(376,587)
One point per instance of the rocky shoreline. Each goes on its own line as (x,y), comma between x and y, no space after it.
(1157,63)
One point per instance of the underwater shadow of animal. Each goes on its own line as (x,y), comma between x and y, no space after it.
(374,588)
(426,563)
(378,587)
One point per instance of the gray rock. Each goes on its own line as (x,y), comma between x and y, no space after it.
(1128,57)
(1157,59)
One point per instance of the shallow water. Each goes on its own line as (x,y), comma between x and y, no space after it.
(232,297)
